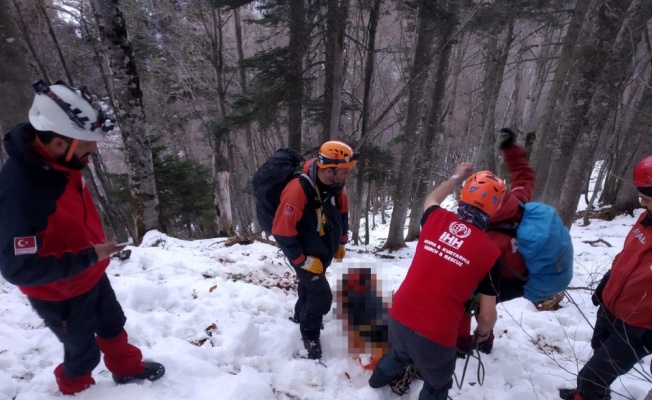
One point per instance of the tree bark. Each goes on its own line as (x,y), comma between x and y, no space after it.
(495,61)
(544,139)
(370,56)
(418,76)
(336,19)
(55,41)
(431,138)
(590,58)
(297,50)
(15,80)
(127,99)
(607,93)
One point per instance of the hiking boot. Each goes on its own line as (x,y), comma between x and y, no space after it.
(313,347)
(152,372)
(488,344)
(551,303)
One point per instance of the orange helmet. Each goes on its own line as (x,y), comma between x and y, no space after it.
(483,190)
(336,154)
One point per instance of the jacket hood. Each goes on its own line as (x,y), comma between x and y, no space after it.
(17,144)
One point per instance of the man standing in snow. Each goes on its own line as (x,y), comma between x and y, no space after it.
(623,328)
(52,245)
(311,226)
(454,256)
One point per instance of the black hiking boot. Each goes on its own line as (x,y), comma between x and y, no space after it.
(313,347)
(152,372)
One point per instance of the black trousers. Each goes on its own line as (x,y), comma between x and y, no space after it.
(76,321)
(510,288)
(436,362)
(617,348)
(315,298)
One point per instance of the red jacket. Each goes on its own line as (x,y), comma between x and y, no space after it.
(510,211)
(296,227)
(451,259)
(628,294)
(48,224)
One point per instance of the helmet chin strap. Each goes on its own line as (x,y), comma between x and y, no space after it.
(71,149)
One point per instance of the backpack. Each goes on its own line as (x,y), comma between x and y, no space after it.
(547,249)
(269,181)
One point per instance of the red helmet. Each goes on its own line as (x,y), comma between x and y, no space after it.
(483,190)
(643,173)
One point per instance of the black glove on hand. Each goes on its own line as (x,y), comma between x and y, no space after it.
(506,138)
(596,298)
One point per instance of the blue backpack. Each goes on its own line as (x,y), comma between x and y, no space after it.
(546,246)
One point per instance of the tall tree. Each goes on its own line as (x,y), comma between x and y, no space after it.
(336,21)
(590,57)
(356,211)
(608,91)
(544,142)
(447,19)
(421,58)
(15,79)
(127,98)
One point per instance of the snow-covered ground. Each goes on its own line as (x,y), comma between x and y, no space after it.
(217,317)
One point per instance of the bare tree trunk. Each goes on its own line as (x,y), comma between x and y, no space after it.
(295,72)
(221,167)
(22,26)
(55,41)
(418,76)
(634,137)
(544,140)
(431,138)
(589,60)
(99,187)
(247,127)
(370,57)
(538,81)
(596,189)
(607,91)
(495,61)
(336,18)
(14,80)
(127,98)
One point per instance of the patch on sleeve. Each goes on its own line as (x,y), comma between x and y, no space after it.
(25,245)
(288,210)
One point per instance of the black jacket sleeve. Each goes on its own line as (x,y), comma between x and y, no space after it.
(20,218)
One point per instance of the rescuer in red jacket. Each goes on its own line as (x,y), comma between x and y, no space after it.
(52,245)
(623,329)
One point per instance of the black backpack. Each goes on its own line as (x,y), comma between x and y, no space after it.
(269,181)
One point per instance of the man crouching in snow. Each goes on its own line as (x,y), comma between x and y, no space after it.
(454,256)
(52,244)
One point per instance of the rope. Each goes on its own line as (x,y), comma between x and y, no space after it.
(480,373)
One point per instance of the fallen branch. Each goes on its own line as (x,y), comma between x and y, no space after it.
(594,242)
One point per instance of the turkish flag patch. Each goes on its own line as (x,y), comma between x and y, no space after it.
(25,245)
(288,210)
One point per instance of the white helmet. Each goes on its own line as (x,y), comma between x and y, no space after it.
(68,111)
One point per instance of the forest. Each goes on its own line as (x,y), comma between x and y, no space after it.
(204,91)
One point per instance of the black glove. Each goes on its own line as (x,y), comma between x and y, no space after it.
(506,138)
(596,298)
